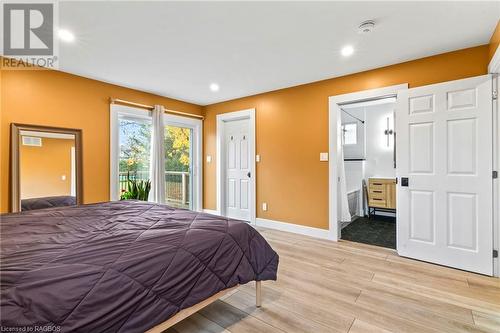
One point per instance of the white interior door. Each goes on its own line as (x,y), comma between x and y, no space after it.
(444,150)
(237,169)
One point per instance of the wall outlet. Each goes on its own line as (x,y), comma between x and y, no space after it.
(264,206)
(257,158)
(209,159)
(323,157)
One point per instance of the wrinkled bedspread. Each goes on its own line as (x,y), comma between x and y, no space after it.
(120,266)
(47,202)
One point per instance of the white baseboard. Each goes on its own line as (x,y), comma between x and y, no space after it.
(211,211)
(294,228)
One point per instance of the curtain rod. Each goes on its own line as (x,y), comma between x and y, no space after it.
(150,107)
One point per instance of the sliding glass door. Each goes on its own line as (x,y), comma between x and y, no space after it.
(131,131)
(134,149)
(178,166)
(182,159)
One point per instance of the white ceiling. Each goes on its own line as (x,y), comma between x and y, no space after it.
(177,49)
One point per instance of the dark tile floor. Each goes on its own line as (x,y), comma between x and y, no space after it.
(379,230)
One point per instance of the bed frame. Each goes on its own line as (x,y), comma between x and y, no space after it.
(184,313)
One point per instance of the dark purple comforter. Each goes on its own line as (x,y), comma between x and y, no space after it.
(120,266)
(47,202)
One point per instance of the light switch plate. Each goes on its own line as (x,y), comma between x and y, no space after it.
(209,158)
(323,157)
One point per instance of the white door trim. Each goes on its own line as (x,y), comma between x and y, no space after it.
(221,119)
(333,121)
(494,68)
(494,65)
(496,166)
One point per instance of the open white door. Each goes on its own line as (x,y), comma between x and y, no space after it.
(444,167)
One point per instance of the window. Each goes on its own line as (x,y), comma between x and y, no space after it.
(350,131)
(131,131)
(134,149)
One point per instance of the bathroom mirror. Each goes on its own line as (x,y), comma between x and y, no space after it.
(46,167)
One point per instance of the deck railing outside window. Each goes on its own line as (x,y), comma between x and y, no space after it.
(176,186)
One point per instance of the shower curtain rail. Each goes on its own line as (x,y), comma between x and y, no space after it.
(362,121)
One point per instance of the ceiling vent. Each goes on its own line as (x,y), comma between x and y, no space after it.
(366,27)
(32,141)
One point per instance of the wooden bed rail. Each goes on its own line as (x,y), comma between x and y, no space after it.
(184,313)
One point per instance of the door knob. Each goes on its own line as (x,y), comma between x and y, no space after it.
(249,174)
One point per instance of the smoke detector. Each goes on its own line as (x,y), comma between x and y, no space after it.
(366,27)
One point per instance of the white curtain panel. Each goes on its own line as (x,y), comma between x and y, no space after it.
(157,167)
(343,204)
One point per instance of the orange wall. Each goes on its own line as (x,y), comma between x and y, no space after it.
(41,168)
(292,129)
(59,99)
(494,41)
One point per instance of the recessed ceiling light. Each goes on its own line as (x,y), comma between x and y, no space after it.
(347,50)
(214,87)
(65,35)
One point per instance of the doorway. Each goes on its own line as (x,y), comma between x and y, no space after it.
(341,198)
(444,167)
(236,165)
(367,134)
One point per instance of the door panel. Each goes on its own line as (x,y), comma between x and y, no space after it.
(462,146)
(445,149)
(421,104)
(244,153)
(237,169)
(244,188)
(422,218)
(422,148)
(462,220)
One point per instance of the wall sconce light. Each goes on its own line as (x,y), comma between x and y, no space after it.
(388,132)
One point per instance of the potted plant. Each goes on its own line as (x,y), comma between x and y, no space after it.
(136,189)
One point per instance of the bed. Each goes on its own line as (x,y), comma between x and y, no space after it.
(47,202)
(126,266)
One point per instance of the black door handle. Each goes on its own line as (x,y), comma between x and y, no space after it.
(249,174)
(404,181)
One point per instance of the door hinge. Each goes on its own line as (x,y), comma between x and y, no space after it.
(495,94)
(495,174)
(495,253)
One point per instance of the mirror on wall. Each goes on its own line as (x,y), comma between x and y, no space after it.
(46,167)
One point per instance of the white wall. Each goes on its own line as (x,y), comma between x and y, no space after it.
(357,150)
(379,157)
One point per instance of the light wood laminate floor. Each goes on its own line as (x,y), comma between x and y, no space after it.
(350,287)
